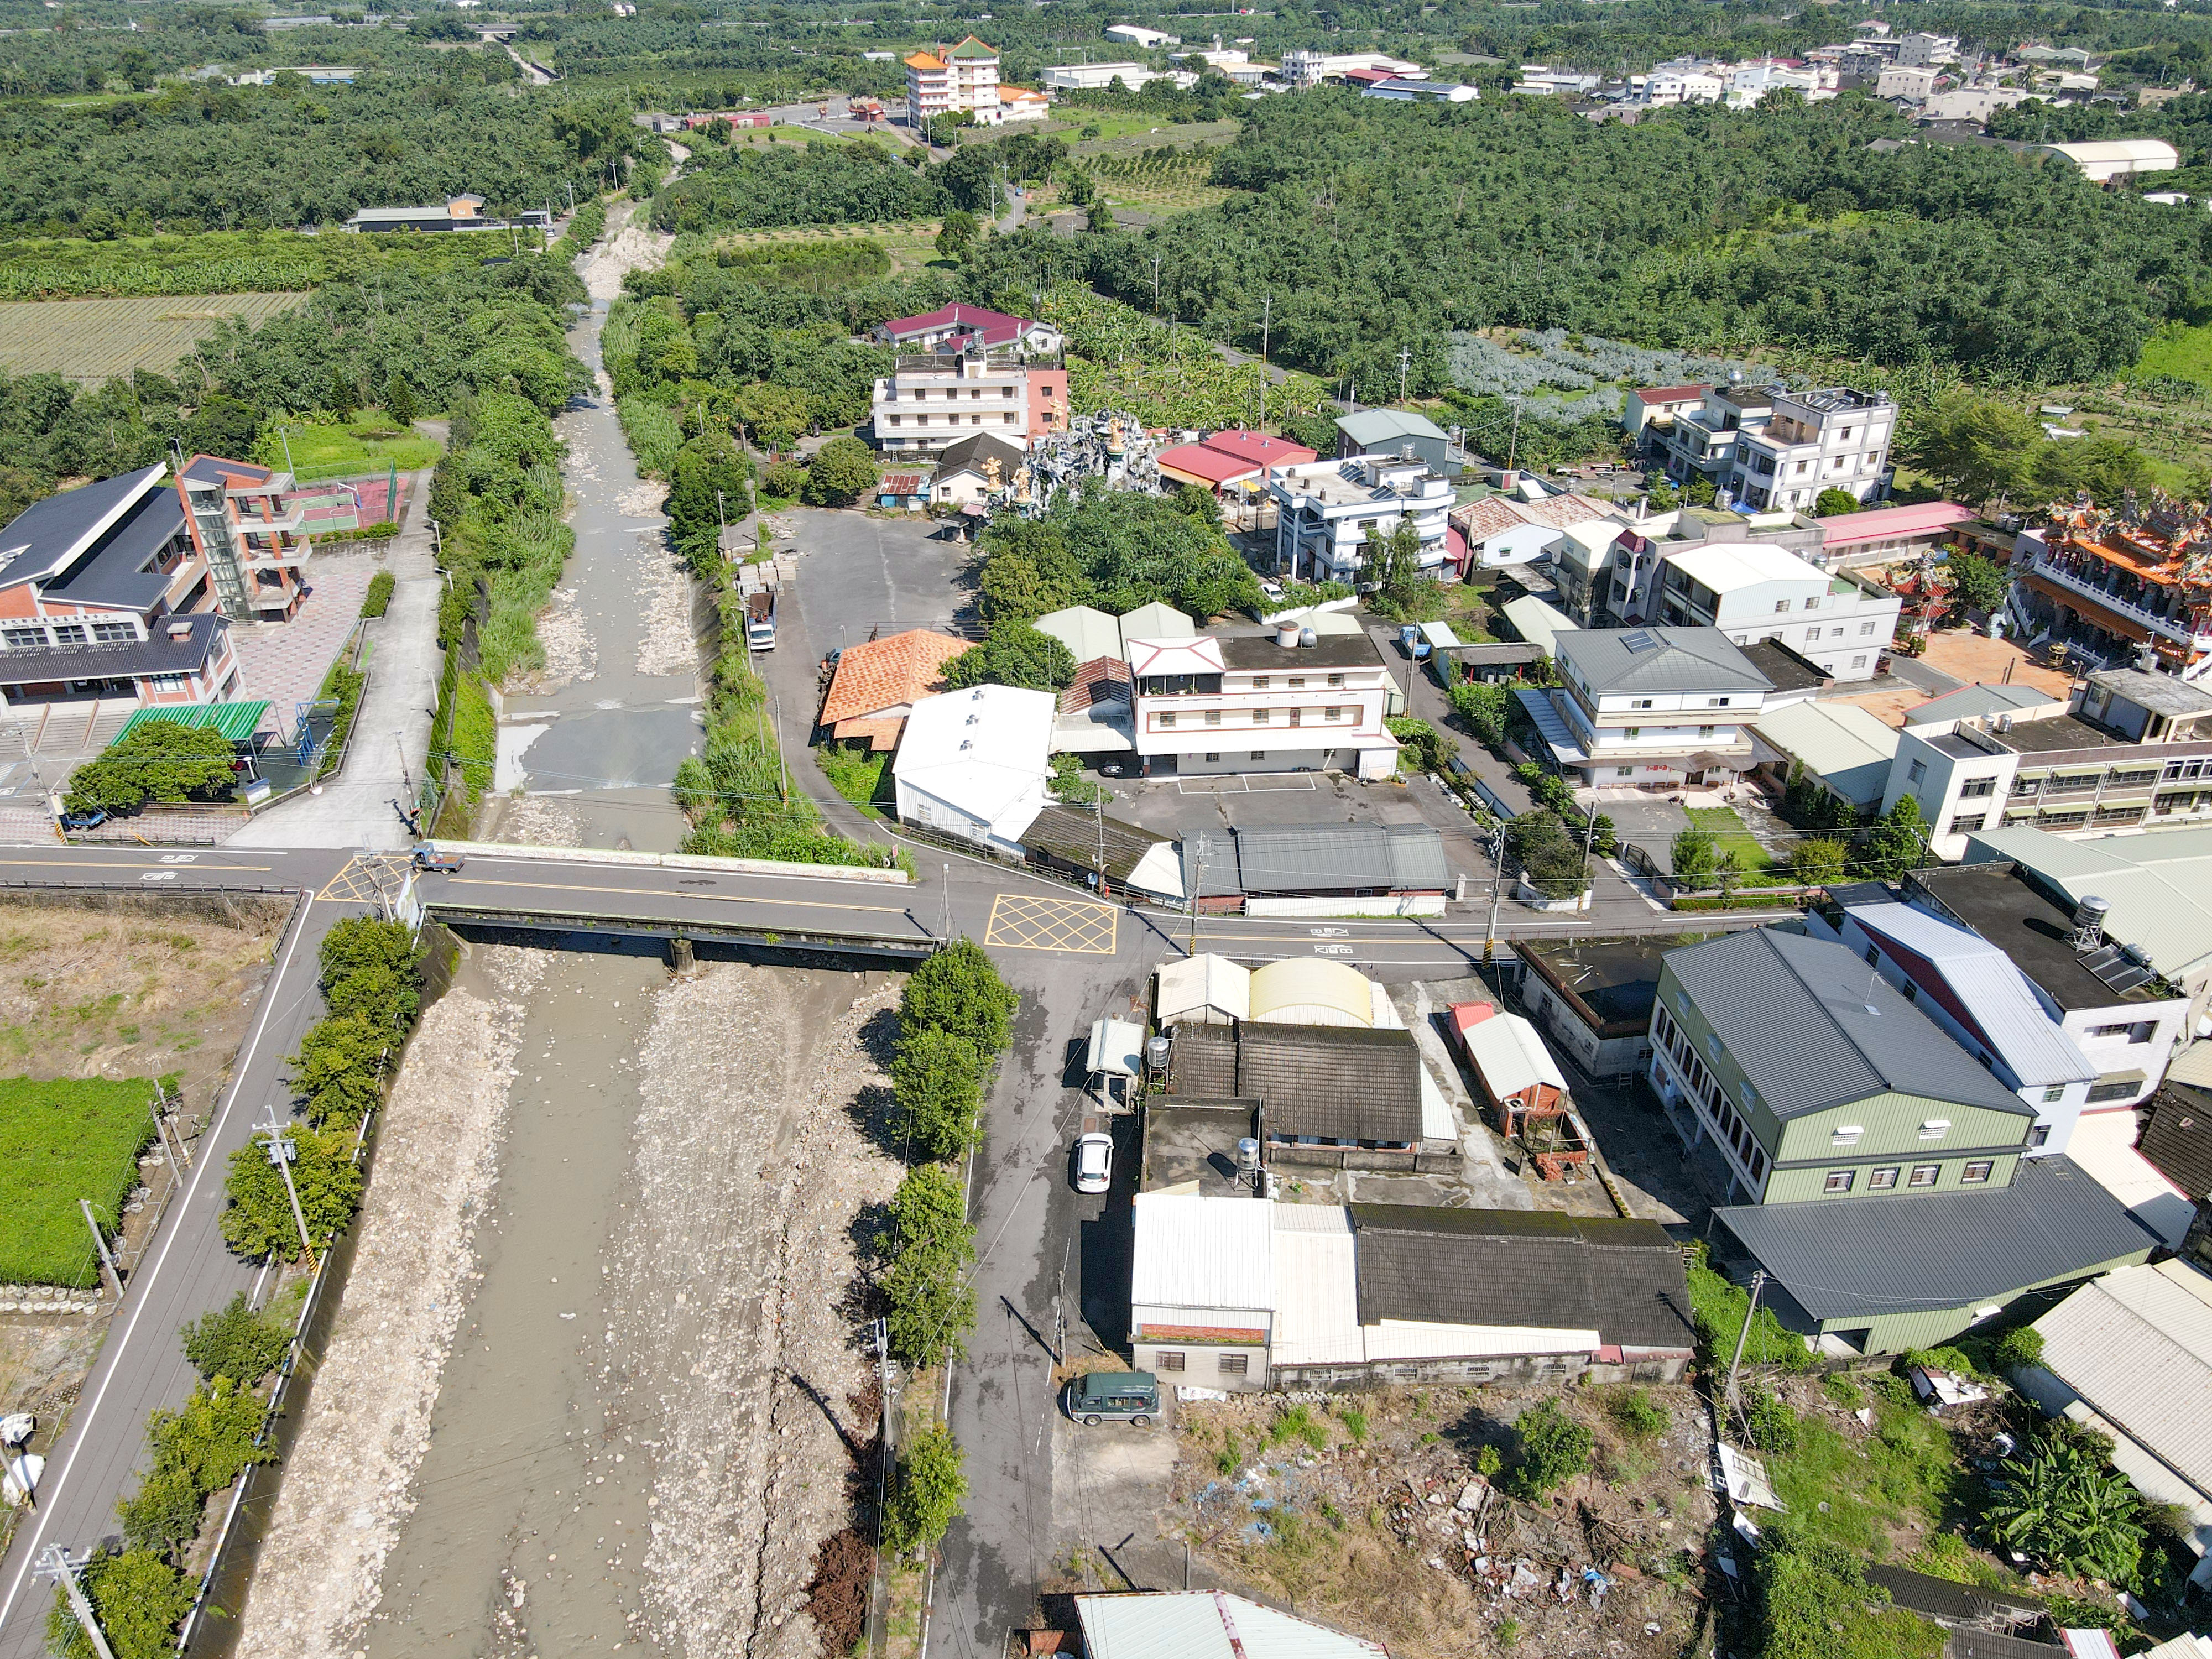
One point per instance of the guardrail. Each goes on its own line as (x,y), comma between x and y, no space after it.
(905,946)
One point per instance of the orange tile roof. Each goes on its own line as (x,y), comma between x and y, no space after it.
(922,60)
(887,673)
(882,735)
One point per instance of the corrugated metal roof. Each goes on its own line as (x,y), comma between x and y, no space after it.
(1812,1026)
(1316,1287)
(2137,1346)
(1839,742)
(1995,996)
(1156,621)
(1195,1251)
(44,537)
(1658,660)
(1311,991)
(1088,633)
(2160,885)
(1372,426)
(235,721)
(1208,1625)
(1539,623)
(1858,1258)
(1510,1056)
(1191,986)
(2178,1136)
(1981,703)
(1341,858)
(157,653)
(2103,1144)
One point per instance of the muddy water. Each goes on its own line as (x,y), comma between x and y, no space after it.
(532,1503)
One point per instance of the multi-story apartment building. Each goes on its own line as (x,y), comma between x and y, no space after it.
(1831,439)
(1754,591)
(932,401)
(1919,51)
(1651,708)
(2116,580)
(2135,748)
(1303,71)
(1616,583)
(122,589)
(1262,702)
(1887,1188)
(1749,82)
(1323,509)
(1771,449)
(1682,82)
(952,80)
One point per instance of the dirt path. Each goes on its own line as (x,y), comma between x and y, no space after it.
(346,1488)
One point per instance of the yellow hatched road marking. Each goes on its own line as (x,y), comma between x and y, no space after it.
(1023,921)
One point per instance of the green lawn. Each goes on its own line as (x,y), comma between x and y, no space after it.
(2184,353)
(1906,1471)
(862,778)
(1731,832)
(368,442)
(59,1142)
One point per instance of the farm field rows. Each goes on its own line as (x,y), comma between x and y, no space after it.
(910,245)
(91,340)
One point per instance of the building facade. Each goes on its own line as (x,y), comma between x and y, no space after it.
(1220,703)
(953,80)
(1324,509)
(1649,709)
(1753,592)
(1811,441)
(929,403)
(2122,580)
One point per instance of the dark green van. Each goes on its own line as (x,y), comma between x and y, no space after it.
(1119,1396)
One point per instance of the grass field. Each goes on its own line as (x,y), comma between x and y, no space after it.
(224,261)
(60,1142)
(316,451)
(93,340)
(1731,834)
(910,245)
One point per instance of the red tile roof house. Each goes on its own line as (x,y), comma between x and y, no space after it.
(879,682)
(955,327)
(1647,403)
(123,589)
(1231,457)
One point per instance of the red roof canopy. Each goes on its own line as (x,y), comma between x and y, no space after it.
(1259,448)
(1880,524)
(1671,394)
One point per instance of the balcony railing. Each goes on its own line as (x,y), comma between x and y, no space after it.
(2074,582)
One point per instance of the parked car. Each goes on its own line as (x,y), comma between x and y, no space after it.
(1122,1396)
(1094,1161)
(429,856)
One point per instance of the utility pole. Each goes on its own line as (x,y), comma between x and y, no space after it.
(55,1562)
(945,927)
(1155,284)
(1266,307)
(284,1152)
(1734,1401)
(1405,363)
(176,1180)
(783,769)
(1513,444)
(99,1243)
(1197,881)
(1497,892)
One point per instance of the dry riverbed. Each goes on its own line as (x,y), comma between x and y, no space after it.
(601,1355)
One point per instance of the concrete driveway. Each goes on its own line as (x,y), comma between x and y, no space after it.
(1652,823)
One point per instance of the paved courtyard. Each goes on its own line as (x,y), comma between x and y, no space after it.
(1973,659)
(286,661)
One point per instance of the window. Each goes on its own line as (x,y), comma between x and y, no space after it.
(69,634)
(1006,391)
(1298,717)
(2138,1032)
(1259,754)
(2053,1095)
(1624,771)
(115,633)
(1916,772)
(1838,1181)
(1801,466)
(1866,627)
(1259,717)
(1213,717)
(1977,1171)
(1812,604)
(25,639)
(1259,682)
(1716,703)
(1336,714)
(1781,604)
(1977,788)
(1835,633)
(1298,682)
(1923,1174)
(1846,1134)
(895,420)
(1169,1359)
(1966,826)
(1632,732)
(1163,722)
(170,682)
(1640,702)
(1881,1179)
(1858,662)
(1213,755)
(2125,1088)
(1011,418)
(1336,682)
(1707,731)
(1936,1129)
(1235,1364)
(2039,1136)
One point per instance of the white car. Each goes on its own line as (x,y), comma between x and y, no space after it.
(1094,1162)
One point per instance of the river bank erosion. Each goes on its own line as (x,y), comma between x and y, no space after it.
(598,1371)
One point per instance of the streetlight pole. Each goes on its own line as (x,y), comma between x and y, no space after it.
(1497,892)
(1197,881)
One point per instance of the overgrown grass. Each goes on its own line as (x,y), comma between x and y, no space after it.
(1730,833)
(2182,352)
(345,684)
(1906,1471)
(61,1141)
(860,777)
(367,442)
(1718,1308)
